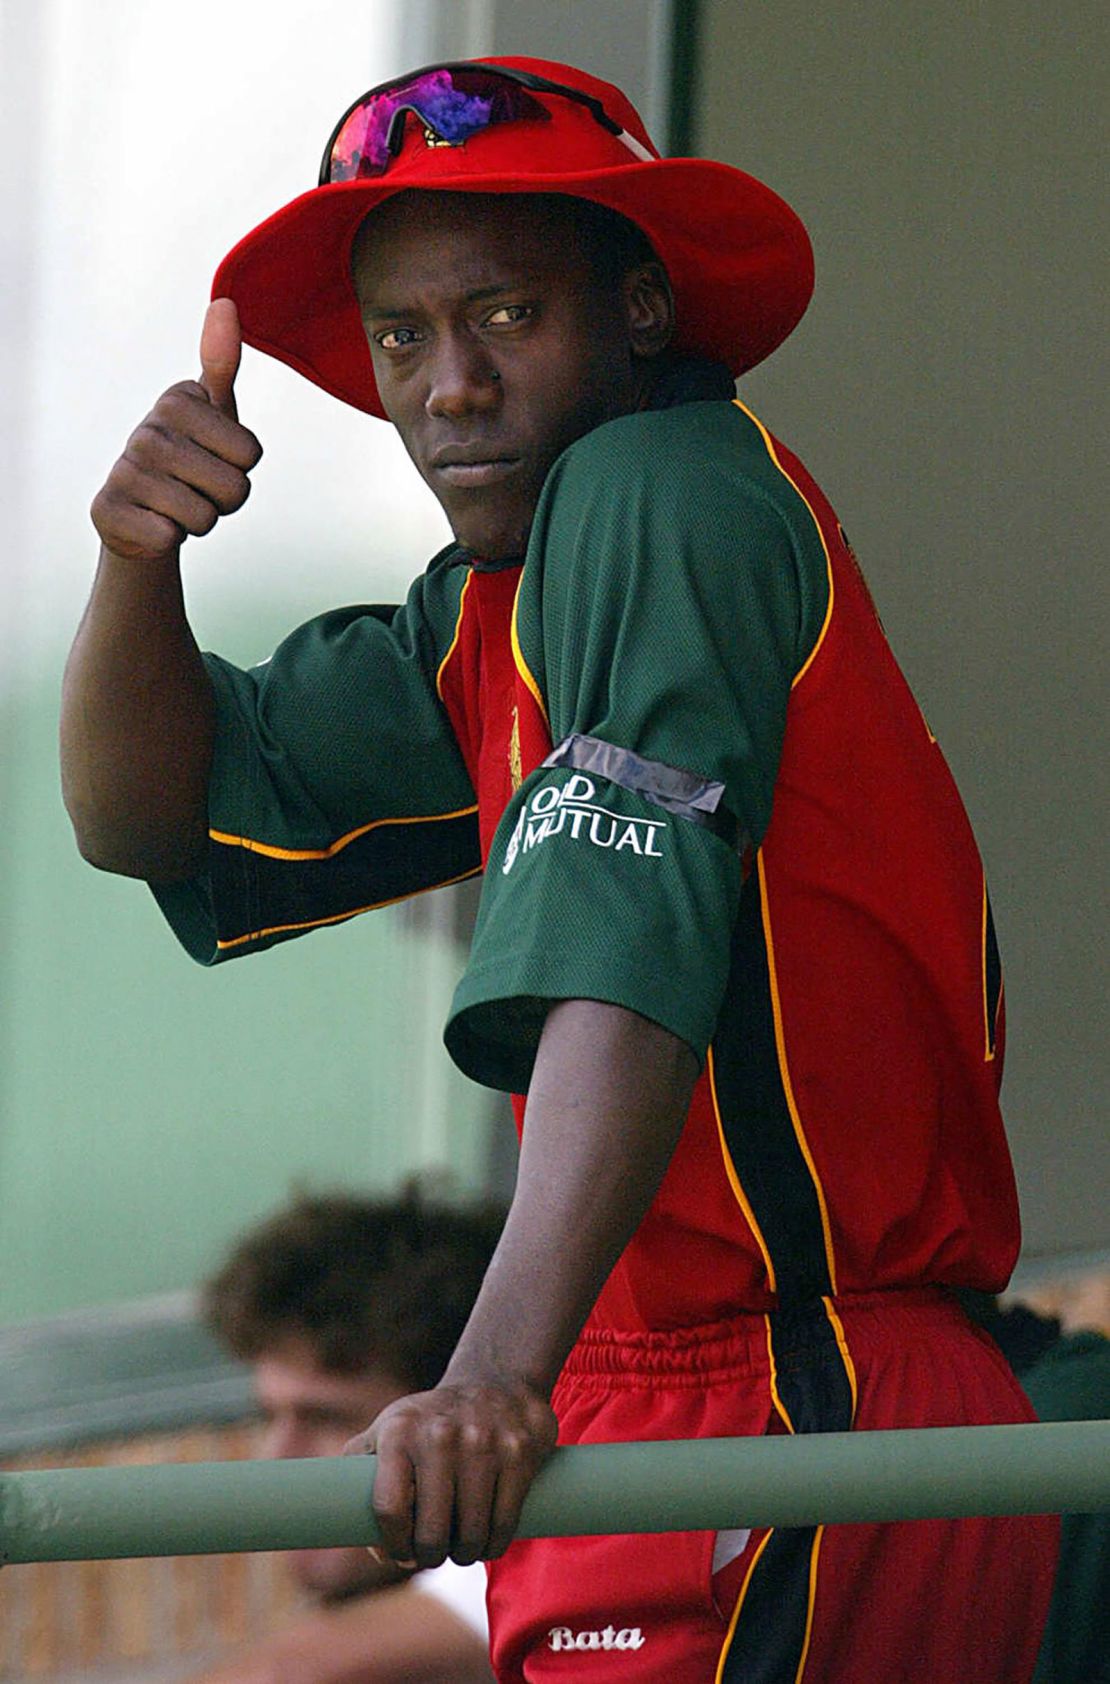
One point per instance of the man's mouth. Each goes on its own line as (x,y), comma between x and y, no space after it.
(472,466)
(479,473)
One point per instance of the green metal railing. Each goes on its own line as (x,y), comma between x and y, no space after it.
(72,1514)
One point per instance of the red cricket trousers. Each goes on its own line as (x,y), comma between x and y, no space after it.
(921,1602)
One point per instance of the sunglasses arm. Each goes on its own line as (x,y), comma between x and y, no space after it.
(635,147)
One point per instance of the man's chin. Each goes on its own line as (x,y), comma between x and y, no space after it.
(493,535)
(498,549)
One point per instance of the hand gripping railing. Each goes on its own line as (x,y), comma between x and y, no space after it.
(70,1514)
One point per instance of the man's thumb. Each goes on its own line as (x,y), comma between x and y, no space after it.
(221,346)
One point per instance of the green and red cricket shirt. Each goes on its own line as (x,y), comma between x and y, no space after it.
(677,743)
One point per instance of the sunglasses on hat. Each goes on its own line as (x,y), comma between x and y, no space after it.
(453,102)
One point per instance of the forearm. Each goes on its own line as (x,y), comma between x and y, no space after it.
(137,707)
(137,725)
(606,1106)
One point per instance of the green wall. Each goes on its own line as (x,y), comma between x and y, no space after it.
(148,1107)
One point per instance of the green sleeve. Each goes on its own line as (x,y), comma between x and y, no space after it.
(673,584)
(337,784)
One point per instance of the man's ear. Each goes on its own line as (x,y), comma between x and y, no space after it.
(649,309)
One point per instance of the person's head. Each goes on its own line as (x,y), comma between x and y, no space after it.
(340,1305)
(501,330)
(490,183)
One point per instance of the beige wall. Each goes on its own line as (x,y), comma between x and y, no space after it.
(946,388)
(139,1622)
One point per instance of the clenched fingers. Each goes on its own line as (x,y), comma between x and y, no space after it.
(153,449)
(186,409)
(454,1467)
(182,468)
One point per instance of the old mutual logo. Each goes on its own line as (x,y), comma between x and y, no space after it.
(573,811)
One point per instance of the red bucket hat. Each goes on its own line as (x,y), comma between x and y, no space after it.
(738,257)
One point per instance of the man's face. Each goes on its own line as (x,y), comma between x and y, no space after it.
(309,1411)
(494,347)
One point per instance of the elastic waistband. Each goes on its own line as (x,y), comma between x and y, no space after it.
(740,1345)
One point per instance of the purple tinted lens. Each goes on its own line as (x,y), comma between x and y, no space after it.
(453,106)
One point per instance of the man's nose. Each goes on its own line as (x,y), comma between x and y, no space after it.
(463,379)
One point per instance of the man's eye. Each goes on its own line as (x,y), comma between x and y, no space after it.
(506,314)
(396,338)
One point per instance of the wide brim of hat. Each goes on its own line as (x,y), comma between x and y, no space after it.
(739,260)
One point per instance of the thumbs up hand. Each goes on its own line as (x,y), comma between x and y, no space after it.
(187,463)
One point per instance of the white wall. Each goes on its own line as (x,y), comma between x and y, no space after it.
(152,137)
